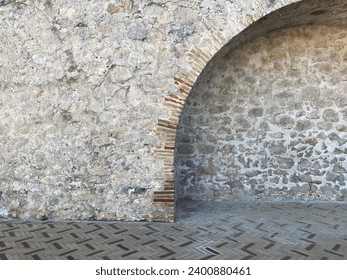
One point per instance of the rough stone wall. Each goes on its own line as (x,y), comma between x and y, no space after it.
(269,121)
(91,93)
(79,101)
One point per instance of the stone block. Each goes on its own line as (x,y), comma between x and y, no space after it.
(185,149)
(331,115)
(285,163)
(136,31)
(207,149)
(277,148)
(119,6)
(256,112)
(304,125)
(339,169)
(285,122)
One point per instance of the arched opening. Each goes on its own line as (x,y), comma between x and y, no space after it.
(266,119)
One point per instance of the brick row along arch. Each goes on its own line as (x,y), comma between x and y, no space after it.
(306,14)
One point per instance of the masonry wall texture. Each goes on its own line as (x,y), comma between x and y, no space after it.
(91,94)
(269,121)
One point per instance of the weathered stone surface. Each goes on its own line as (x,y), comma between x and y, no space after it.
(256,112)
(206,171)
(92,91)
(264,126)
(207,149)
(136,31)
(228,149)
(285,163)
(314,115)
(120,74)
(235,184)
(277,135)
(119,6)
(242,123)
(305,163)
(331,115)
(290,142)
(331,177)
(304,125)
(286,122)
(326,125)
(339,169)
(186,149)
(306,177)
(277,149)
(310,93)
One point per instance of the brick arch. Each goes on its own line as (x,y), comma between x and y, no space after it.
(260,22)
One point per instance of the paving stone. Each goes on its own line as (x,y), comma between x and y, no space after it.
(203,230)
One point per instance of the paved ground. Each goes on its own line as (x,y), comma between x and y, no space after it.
(203,230)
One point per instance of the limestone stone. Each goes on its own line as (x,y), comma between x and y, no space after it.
(234,184)
(331,115)
(331,177)
(228,149)
(264,126)
(277,148)
(285,163)
(242,123)
(207,149)
(284,180)
(186,149)
(306,177)
(256,112)
(136,31)
(341,101)
(286,122)
(311,141)
(334,136)
(310,93)
(339,169)
(277,135)
(326,125)
(119,6)
(316,165)
(305,163)
(206,170)
(341,128)
(314,115)
(303,125)
(120,74)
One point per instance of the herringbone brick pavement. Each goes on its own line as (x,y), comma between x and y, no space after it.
(203,230)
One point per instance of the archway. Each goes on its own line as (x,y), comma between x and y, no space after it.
(301,13)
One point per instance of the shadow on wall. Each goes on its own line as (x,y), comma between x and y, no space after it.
(268,121)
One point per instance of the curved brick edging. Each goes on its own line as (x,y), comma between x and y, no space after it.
(175,103)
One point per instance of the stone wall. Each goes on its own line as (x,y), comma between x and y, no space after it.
(269,121)
(79,99)
(91,93)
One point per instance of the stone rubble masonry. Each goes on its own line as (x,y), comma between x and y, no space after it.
(277,120)
(91,94)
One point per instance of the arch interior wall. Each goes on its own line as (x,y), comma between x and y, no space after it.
(268,122)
